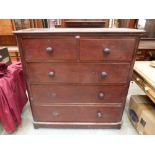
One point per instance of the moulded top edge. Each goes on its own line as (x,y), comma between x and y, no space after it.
(79,30)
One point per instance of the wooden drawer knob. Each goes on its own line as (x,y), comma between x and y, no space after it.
(99,115)
(106,51)
(104,74)
(49,50)
(51,74)
(101,95)
(137,79)
(146,88)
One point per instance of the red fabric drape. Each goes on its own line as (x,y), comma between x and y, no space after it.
(12,95)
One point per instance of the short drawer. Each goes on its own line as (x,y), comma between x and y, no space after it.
(78,72)
(50,49)
(77,94)
(107,49)
(76,113)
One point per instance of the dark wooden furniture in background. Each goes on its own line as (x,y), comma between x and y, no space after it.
(8,40)
(13,53)
(146,49)
(150,28)
(84,23)
(127,23)
(78,78)
(6,36)
(4,56)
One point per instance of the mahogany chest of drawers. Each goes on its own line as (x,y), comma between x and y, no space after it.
(78,78)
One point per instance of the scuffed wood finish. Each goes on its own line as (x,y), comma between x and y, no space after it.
(78,72)
(76,114)
(62,49)
(76,125)
(80,30)
(120,49)
(75,94)
(78,85)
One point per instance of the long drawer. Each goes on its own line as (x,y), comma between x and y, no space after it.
(77,94)
(50,49)
(76,113)
(78,72)
(107,49)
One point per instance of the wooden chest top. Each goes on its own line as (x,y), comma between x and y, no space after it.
(80,30)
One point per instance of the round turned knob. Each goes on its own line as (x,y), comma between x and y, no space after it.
(51,74)
(137,79)
(99,115)
(146,88)
(103,74)
(101,95)
(106,50)
(49,49)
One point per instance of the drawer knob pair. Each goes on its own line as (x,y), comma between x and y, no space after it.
(106,51)
(49,50)
(51,74)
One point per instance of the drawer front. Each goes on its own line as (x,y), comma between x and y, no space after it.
(50,49)
(78,72)
(107,49)
(75,94)
(76,113)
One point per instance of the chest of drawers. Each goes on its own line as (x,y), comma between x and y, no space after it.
(78,78)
